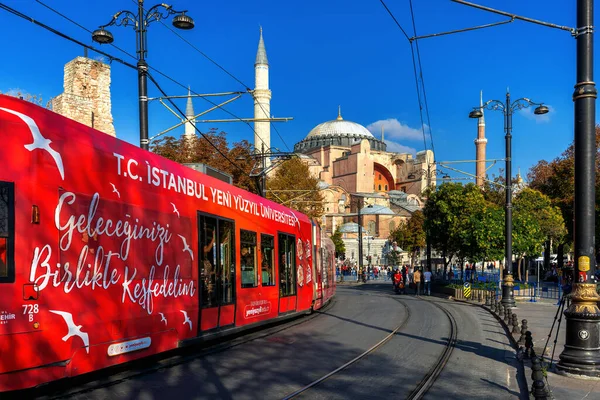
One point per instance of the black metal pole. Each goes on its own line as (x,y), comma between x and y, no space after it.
(508,299)
(428,244)
(360,243)
(142,67)
(581,354)
(263,175)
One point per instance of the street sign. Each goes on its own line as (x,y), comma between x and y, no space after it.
(467,290)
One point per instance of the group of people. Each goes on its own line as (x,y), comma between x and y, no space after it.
(402,278)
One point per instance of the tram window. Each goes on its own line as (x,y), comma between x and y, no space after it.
(287,265)
(7,231)
(208,263)
(227,262)
(267,247)
(248,259)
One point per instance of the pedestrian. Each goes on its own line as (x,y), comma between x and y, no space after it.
(417,280)
(397,280)
(427,278)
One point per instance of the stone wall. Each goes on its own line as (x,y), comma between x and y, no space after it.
(86,97)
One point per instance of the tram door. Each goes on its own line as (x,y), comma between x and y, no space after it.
(287,272)
(216,271)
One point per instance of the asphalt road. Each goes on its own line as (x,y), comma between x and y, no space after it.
(271,367)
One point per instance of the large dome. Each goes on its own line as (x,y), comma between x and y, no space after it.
(338,132)
(338,127)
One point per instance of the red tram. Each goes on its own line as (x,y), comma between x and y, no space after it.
(109,253)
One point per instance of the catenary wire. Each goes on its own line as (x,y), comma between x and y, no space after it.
(227,72)
(412,14)
(416,73)
(150,67)
(112,58)
(64,36)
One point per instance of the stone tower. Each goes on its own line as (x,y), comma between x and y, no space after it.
(86,96)
(480,144)
(262,99)
(190,131)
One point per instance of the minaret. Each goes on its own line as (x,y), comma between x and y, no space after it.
(262,100)
(480,144)
(190,131)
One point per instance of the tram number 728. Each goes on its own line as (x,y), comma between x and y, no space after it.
(31,309)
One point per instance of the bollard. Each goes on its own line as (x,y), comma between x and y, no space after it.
(500,310)
(506,314)
(515,324)
(538,387)
(496,310)
(523,331)
(487,298)
(529,345)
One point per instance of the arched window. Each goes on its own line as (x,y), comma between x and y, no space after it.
(386,188)
(379,187)
(371,227)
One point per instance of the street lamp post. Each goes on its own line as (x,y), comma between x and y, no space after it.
(508,109)
(140,23)
(581,354)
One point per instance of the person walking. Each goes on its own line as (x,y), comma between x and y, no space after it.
(417,280)
(427,278)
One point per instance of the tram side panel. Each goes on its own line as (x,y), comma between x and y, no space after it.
(101,249)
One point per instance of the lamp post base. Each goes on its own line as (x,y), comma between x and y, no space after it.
(508,298)
(581,355)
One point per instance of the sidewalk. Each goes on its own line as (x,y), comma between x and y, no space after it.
(540,316)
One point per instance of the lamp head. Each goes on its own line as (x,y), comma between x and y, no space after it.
(476,113)
(541,110)
(102,36)
(411,176)
(183,21)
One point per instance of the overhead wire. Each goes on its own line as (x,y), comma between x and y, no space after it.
(228,73)
(418,73)
(26,17)
(412,51)
(422,79)
(150,67)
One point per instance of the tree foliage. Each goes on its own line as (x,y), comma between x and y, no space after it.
(410,235)
(556,179)
(210,150)
(293,186)
(340,247)
(462,223)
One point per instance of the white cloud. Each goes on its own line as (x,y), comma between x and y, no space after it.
(395,129)
(398,148)
(539,119)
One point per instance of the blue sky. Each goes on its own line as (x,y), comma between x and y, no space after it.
(323,54)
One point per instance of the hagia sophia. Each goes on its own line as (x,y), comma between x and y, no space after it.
(354,168)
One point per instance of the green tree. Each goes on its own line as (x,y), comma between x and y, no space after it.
(410,235)
(340,247)
(535,220)
(202,150)
(442,212)
(293,186)
(556,179)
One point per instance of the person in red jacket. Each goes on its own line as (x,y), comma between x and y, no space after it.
(397,279)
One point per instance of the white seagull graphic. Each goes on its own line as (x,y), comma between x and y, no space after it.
(187,320)
(186,247)
(39,141)
(175,210)
(115,189)
(162,318)
(74,330)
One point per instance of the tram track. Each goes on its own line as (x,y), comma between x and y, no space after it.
(360,356)
(430,377)
(434,372)
(86,384)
